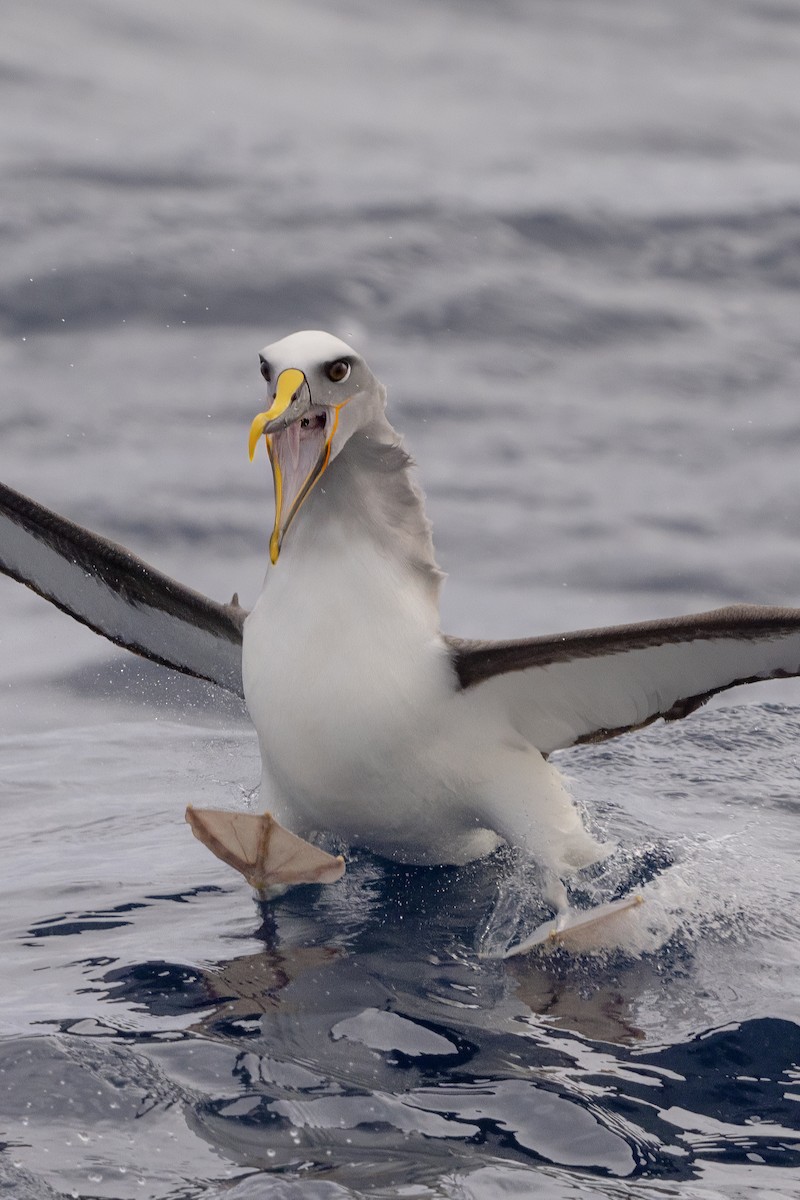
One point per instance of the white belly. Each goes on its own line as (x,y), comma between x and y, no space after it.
(349,686)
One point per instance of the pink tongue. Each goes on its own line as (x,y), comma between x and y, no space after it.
(297,453)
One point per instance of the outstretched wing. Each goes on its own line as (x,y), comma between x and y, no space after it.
(107,588)
(597,683)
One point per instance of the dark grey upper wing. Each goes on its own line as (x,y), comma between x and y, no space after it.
(104,586)
(597,683)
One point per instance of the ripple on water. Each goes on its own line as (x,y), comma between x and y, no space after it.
(354,1030)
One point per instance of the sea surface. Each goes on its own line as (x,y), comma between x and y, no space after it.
(566,234)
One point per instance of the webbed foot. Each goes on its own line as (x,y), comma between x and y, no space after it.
(270,857)
(592,929)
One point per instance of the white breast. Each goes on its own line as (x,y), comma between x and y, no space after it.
(345,675)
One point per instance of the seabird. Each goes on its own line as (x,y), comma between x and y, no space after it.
(373,725)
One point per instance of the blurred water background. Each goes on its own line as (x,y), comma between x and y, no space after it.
(566,233)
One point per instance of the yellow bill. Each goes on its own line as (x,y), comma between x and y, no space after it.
(299,448)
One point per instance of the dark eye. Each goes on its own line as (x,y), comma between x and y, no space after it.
(338,371)
(265,370)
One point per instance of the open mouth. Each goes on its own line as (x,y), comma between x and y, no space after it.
(299,454)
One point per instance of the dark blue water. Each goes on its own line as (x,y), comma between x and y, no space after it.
(567,236)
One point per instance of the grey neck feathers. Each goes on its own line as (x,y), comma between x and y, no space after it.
(369,485)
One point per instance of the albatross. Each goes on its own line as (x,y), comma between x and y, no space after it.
(373,725)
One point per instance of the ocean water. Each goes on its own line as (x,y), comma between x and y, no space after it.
(567,237)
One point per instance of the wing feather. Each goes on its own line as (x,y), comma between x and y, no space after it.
(598,683)
(118,595)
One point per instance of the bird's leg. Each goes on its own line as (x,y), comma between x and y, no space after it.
(529,807)
(270,857)
(555,893)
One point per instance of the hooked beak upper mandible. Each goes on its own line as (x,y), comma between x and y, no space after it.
(287,387)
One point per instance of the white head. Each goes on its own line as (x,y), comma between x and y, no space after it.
(320,393)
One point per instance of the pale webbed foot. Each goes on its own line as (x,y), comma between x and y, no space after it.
(598,928)
(270,857)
